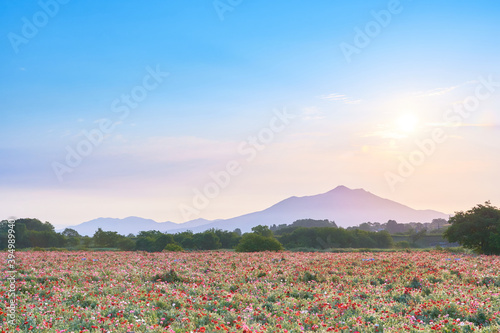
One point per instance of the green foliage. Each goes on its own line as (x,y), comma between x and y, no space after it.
(45,238)
(308,276)
(145,244)
(169,277)
(161,241)
(328,237)
(416,235)
(402,245)
(86,242)
(258,241)
(106,238)
(304,223)
(153,241)
(31,233)
(173,248)
(383,239)
(415,284)
(126,244)
(477,229)
(207,240)
(262,230)
(228,239)
(68,232)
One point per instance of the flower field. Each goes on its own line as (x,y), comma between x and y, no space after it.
(253,292)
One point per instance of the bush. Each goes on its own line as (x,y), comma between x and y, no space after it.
(173,248)
(126,244)
(169,277)
(402,245)
(257,243)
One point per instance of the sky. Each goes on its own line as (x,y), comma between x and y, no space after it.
(213,109)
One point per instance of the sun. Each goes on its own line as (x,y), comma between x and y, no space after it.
(407,123)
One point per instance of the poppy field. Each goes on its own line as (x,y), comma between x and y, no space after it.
(253,292)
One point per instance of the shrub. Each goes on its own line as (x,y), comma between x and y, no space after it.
(257,243)
(126,244)
(403,245)
(169,277)
(173,248)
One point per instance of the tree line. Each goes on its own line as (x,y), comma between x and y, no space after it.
(477,229)
(32,233)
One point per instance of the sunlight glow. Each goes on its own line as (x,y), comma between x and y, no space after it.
(407,123)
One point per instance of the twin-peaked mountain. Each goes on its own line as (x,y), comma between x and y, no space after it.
(345,206)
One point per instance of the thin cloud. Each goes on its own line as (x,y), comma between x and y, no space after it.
(461,125)
(312,113)
(443,90)
(340,98)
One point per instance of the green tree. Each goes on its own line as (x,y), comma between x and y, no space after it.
(261,239)
(185,239)
(86,242)
(145,244)
(438,223)
(72,237)
(106,238)
(384,239)
(207,240)
(45,238)
(228,239)
(152,241)
(173,248)
(68,232)
(161,241)
(477,229)
(394,227)
(31,233)
(416,235)
(262,230)
(253,242)
(35,224)
(126,244)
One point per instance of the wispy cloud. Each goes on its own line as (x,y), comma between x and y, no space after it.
(386,134)
(340,98)
(312,113)
(462,125)
(443,90)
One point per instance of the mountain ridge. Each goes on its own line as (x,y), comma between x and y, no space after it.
(347,207)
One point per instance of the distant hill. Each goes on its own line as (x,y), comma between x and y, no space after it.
(132,225)
(347,207)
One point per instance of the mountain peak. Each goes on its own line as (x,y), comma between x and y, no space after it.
(345,189)
(346,206)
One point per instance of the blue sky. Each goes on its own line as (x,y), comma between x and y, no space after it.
(353,122)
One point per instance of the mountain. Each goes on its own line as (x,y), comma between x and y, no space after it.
(347,207)
(132,224)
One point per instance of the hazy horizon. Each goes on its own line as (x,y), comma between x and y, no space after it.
(121,109)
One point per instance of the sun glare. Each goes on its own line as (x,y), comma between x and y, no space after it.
(407,123)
